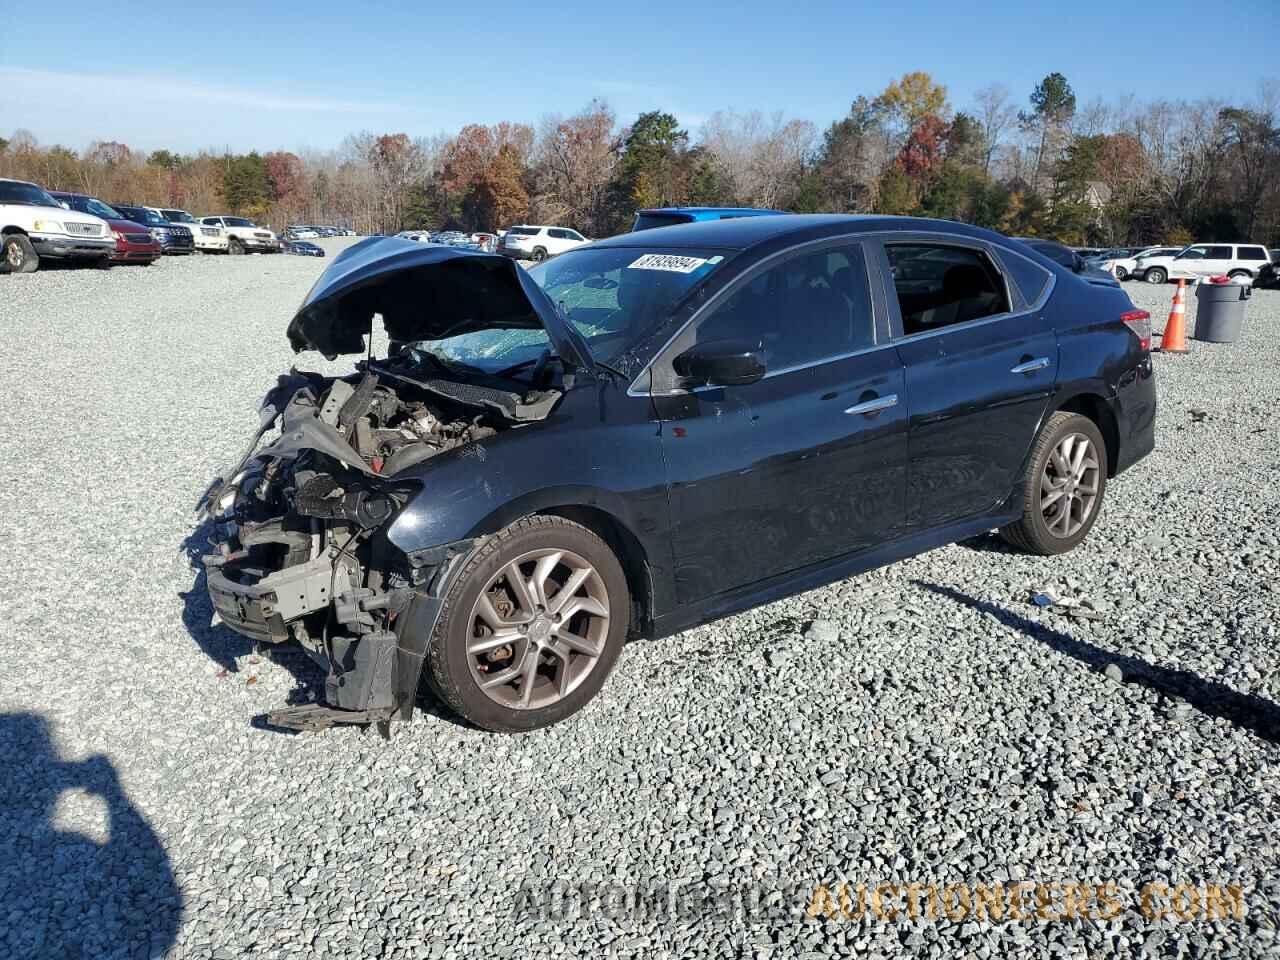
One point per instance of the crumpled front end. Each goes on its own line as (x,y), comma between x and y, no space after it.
(299,551)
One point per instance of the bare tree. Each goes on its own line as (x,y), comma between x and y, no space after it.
(996,116)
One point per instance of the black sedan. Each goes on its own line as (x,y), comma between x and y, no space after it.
(652,432)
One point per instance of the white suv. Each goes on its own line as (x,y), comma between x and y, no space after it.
(1239,261)
(525,242)
(34,227)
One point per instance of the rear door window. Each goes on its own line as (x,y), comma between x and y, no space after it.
(939,285)
(1218,253)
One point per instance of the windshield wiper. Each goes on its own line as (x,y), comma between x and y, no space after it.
(539,361)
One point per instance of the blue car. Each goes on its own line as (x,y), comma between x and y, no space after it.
(672,216)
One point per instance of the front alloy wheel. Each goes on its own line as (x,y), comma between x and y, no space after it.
(1063,486)
(530,627)
(1156,275)
(538,629)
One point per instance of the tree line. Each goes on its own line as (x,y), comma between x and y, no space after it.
(1106,172)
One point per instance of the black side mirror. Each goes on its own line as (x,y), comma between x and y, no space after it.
(720,363)
(1078,264)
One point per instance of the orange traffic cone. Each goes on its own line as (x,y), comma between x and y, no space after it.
(1175,330)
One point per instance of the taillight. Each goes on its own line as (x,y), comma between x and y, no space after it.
(1139,321)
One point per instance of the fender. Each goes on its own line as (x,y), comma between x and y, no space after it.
(481,487)
(472,492)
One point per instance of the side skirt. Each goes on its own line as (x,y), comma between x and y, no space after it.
(817,575)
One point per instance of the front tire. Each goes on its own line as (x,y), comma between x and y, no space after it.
(235,247)
(1156,275)
(1063,486)
(19,255)
(531,627)
(1121,273)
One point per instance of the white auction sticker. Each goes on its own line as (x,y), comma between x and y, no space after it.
(667,261)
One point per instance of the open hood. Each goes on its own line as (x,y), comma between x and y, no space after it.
(424,292)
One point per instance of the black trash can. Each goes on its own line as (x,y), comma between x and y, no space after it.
(1220,311)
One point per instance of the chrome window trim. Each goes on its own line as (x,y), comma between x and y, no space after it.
(984,246)
(1045,291)
(635,390)
(784,370)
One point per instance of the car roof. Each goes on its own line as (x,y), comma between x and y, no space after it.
(737,211)
(740,233)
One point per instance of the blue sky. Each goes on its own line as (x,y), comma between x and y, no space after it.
(306,73)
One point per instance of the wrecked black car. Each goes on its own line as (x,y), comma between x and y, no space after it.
(648,433)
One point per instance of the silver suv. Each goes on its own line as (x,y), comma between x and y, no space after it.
(1200,260)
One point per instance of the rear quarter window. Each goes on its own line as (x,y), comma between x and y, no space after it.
(1030,278)
(1253,253)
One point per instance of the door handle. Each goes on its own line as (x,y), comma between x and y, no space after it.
(876,405)
(1031,366)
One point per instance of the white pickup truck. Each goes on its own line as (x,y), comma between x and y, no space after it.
(244,236)
(35,227)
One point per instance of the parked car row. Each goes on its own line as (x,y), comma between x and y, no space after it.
(311,231)
(37,225)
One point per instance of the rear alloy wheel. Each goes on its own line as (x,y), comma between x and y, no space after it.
(19,255)
(1156,275)
(531,627)
(234,246)
(1063,486)
(1240,275)
(539,254)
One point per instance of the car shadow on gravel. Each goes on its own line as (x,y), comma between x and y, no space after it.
(83,872)
(224,646)
(1248,711)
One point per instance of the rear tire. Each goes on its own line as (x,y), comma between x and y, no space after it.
(1063,486)
(532,653)
(1237,274)
(19,255)
(1156,275)
(538,255)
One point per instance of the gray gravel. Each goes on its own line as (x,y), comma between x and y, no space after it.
(925,723)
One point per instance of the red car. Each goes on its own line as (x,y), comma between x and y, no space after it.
(134,242)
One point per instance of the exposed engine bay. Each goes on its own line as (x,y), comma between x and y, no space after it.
(299,546)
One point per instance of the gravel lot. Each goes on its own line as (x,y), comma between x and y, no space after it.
(926,723)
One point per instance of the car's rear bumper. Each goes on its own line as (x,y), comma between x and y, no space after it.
(515,253)
(58,247)
(1134,408)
